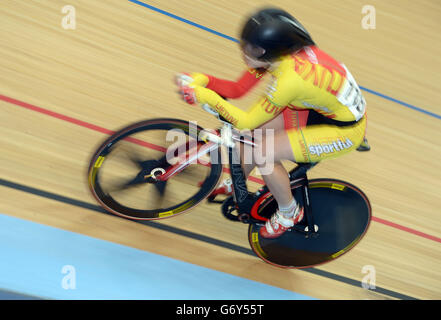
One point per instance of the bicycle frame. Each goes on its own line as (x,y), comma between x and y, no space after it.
(225,138)
(243,199)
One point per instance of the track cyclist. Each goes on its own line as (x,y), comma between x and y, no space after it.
(313,104)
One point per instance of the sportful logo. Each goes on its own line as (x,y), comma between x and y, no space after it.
(334,146)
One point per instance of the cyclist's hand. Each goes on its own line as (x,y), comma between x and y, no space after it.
(195,78)
(183,80)
(188,94)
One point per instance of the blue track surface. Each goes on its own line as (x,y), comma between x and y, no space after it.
(50,263)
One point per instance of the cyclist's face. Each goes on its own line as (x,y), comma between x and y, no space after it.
(251,56)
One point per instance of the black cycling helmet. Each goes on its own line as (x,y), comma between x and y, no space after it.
(273,33)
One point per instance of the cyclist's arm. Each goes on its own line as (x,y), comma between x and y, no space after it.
(260,112)
(235,89)
(279,94)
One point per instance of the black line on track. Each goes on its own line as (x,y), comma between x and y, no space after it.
(192,235)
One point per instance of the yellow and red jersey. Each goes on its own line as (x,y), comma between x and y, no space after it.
(309,79)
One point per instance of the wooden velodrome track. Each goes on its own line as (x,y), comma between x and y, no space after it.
(62,89)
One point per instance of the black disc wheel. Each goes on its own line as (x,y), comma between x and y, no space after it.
(341,214)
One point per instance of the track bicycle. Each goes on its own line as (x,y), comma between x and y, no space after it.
(161,168)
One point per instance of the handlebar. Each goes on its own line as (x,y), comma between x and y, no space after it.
(213,112)
(210,110)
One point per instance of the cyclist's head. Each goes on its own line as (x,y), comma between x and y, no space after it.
(271,33)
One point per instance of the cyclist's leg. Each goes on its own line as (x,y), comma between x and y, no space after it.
(273,151)
(309,144)
(288,120)
(276,124)
(285,120)
(247,161)
(278,182)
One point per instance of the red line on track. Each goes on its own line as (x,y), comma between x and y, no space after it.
(406,229)
(107,131)
(55,115)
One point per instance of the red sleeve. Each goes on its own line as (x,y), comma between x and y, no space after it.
(231,89)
